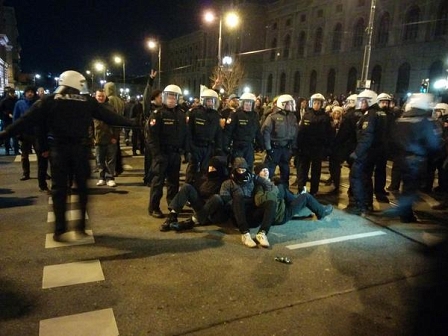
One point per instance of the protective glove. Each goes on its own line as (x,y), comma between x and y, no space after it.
(269,154)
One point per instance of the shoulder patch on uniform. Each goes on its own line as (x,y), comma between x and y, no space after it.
(365,124)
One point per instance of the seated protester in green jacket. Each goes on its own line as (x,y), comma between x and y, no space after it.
(288,204)
(237,193)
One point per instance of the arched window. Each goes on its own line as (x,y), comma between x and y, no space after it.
(269,86)
(273,49)
(351,80)
(411,23)
(383,29)
(404,73)
(313,82)
(435,72)
(282,86)
(337,37)
(442,19)
(376,78)
(287,46)
(331,81)
(358,33)
(296,87)
(318,41)
(301,46)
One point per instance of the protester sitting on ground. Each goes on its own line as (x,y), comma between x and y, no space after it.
(288,204)
(203,198)
(238,194)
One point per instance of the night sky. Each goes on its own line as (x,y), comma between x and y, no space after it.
(56,35)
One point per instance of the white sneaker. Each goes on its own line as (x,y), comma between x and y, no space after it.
(247,240)
(101,183)
(262,239)
(111,183)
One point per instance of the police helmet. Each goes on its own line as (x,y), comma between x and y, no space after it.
(383,96)
(171,90)
(283,100)
(247,98)
(209,94)
(442,108)
(350,101)
(369,96)
(317,96)
(72,79)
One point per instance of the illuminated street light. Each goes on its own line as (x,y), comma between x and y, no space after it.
(118,60)
(153,45)
(440,84)
(36,76)
(368,46)
(231,20)
(100,67)
(56,79)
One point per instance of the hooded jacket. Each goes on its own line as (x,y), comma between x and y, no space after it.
(116,102)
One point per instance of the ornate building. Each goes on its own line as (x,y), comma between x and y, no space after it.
(308,46)
(9,49)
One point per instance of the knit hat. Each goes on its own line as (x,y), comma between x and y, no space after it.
(259,167)
(239,162)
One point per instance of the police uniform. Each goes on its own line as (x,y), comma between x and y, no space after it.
(64,119)
(204,138)
(242,127)
(166,130)
(280,135)
(313,141)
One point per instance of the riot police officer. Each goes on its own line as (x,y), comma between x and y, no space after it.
(63,120)
(372,133)
(280,135)
(204,134)
(417,136)
(242,127)
(313,140)
(166,130)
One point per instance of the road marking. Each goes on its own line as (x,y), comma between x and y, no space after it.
(50,243)
(100,322)
(335,240)
(31,157)
(72,274)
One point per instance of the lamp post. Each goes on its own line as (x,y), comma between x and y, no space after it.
(368,46)
(231,20)
(119,60)
(152,45)
(90,73)
(36,76)
(100,67)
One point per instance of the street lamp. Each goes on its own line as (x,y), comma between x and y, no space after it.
(231,20)
(119,60)
(152,45)
(36,76)
(100,67)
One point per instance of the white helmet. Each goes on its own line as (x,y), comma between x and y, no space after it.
(367,95)
(74,80)
(383,96)
(247,97)
(285,99)
(209,94)
(419,101)
(171,90)
(317,96)
(442,107)
(350,101)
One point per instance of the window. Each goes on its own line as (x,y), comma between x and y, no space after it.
(313,82)
(318,41)
(296,87)
(274,26)
(331,81)
(351,80)
(273,49)
(361,3)
(320,13)
(436,71)
(376,78)
(358,33)
(282,86)
(403,78)
(303,18)
(339,8)
(302,43)
(442,20)
(411,23)
(383,29)
(288,23)
(287,46)
(269,86)
(337,37)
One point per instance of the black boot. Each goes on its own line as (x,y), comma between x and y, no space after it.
(166,226)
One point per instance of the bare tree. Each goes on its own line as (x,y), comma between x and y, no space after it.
(228,77)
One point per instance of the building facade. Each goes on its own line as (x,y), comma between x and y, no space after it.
(9,48)
(307,46)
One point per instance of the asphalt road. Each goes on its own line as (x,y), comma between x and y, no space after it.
(349,275)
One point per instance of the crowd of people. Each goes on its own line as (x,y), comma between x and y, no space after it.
(218,135)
